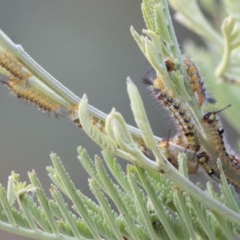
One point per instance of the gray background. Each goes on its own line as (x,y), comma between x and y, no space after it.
(87,46)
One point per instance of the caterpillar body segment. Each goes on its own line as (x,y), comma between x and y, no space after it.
(195,79)
(28,93)
(13,66)
(176,108)
(170,152)
(230,162)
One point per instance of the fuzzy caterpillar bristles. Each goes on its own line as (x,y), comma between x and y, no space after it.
(195,79)
(13,66)
(176,107)
(170,151)
(73,115)
(231,164)
(44,103)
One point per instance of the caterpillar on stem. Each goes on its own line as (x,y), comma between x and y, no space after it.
(73,115)
(44,103)
(231,164)
(176,107)
(170,152)
(195,79)
(13,66)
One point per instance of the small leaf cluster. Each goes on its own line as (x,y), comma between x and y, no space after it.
(138,204)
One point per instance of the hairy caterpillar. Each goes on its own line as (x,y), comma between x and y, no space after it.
(100,124)
(44,103)
(171,154)
(203,159)
(13,66)
(176,107)
(231,164)
(195,79)
(73,114)
(168,154)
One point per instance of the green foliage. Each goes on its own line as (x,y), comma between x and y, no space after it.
(151,199)
(149,206)
(221,52)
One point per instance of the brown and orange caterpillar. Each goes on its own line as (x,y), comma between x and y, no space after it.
(168,154)
(194,159)
(73,114)
(164,146)
(170,151)
(216,132)
(195,79)
(13,66)
(231,164)
(100,124)
(44,103)
(203,159)
(176,107)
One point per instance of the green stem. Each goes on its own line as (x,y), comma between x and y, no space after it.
(33,234)
(201,196)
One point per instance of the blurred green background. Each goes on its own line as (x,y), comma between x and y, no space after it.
(88,47)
